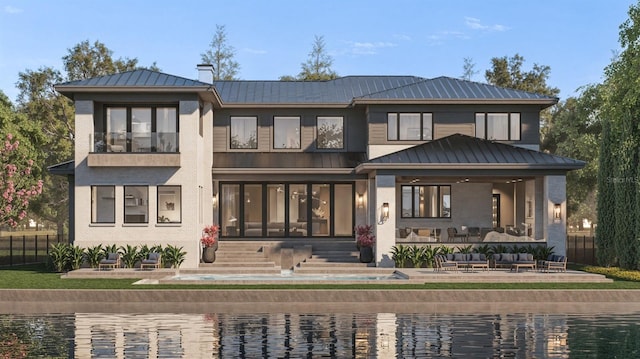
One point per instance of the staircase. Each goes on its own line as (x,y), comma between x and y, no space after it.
(241,257)
(333,257)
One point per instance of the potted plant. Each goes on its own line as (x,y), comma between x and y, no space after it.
(365,241)
(209,242)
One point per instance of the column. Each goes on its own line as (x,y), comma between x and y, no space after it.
(555,198)
(385,228)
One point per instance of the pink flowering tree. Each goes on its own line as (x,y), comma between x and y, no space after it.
(17,185)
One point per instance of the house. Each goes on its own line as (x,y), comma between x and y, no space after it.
(158,157)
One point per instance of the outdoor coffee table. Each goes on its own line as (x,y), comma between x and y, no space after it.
(517,266)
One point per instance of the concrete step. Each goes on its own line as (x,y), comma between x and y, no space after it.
(338,270)
(332,264)
(247,255)
(233,270)
(238,264)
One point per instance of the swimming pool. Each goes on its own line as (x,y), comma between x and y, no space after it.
(286,275)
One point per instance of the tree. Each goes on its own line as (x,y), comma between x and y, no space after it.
(606,229)
(318,65)
(220,55)
(85,61)
(17,183)
(507,72)
(468,69)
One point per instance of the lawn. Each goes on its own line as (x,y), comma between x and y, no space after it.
(39,277)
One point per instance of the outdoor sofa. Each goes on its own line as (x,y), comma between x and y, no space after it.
(554,262)
(514,260)
(462,260)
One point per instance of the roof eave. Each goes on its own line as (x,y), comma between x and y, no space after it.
(368,167)
(459,101)
(253,171)
(284,105)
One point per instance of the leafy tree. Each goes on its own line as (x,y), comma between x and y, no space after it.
(318,65)
(468,69)
(606,229)
(85,61)
(220,55)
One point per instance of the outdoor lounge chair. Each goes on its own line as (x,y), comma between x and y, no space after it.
(442,263)
(112,261)
(452,234)
(554,262)
(152,261)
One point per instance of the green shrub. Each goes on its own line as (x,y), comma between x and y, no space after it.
(76,257)
(173,256)
(400,255)
(59,255)
(465,249)
(129,255)
(614,273)
(93,255)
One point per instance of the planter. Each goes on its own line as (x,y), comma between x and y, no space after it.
(366,254)
(209,254)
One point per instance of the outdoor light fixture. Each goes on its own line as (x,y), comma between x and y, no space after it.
(214,200)
(557,212)
(360,200)
(385,213)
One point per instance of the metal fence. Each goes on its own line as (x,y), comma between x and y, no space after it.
(581,250)
(22,249)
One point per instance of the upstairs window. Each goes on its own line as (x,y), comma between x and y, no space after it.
(244,132)
(498,126)
(409,126)
(330,132)
(138,129)
(286,132)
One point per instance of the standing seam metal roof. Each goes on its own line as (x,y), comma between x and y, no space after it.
(135,78)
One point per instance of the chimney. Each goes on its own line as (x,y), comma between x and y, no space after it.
(205,73)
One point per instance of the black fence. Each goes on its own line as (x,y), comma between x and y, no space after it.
(581,250)
(22,249)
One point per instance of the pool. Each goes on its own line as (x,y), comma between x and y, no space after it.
(285,276)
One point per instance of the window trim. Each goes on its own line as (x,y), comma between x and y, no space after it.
(154,115)
(422,121)
(231,133)
(273,137)
(509,119)
(113,187)
(440,205)
(343,134)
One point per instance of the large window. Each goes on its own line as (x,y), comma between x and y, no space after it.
(286,132)
(498,126)
(103,204)
(330,132)
(136,204)
(409,126)
(430,201)
(138,129)
(169,204)
(244,132)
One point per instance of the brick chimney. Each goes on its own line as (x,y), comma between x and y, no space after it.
(205,73)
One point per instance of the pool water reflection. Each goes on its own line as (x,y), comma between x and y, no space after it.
(294,335)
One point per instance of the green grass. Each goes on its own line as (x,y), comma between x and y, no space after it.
(39,277)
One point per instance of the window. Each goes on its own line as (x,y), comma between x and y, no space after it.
(409,126)
(103,204)
(136,204)
(330,132)
(138,129)
(244,132)
(286,132)
(430,201)
(169,204)
(498,126)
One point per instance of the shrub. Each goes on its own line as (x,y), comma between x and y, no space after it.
(93,255)
(173,256)
(400,254)
(59,255)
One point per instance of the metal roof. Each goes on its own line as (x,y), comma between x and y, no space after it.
(466,152)
(135,78)
(63,169)
(289,162)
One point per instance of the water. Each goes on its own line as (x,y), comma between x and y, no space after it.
(286,276)
(339,335)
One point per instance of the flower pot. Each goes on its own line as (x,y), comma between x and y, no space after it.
(209,254)
(366,254)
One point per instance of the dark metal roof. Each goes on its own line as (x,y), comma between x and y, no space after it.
(448,88)
(63,169)
(339,91)
(343,162)
(135,78)
(466,152)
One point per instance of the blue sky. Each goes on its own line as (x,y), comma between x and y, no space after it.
(576,38)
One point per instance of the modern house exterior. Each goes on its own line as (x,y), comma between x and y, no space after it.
(158,157)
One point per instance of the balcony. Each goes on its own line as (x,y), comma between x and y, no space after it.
(134,149)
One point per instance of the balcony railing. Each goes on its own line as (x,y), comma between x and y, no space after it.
(165,142)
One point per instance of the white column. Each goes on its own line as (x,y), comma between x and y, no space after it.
(555,230)
(385,229)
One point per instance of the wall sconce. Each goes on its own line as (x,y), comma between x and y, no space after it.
(385,213)
(214,200)
(557,213)
(360,200)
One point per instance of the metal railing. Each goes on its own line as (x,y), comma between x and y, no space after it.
(23,249)
(582,249)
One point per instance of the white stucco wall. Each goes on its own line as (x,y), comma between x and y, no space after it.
(555,192)
(385,230)
(193,175)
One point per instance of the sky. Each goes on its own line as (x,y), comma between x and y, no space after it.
(576,38)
